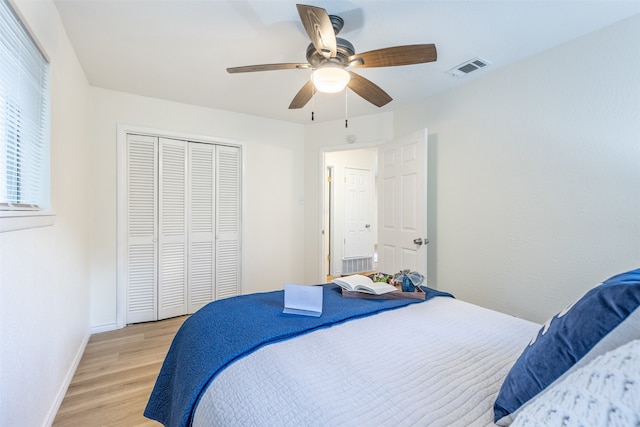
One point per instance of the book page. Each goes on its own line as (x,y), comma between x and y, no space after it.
(360,283)
(377,288)
(350,282)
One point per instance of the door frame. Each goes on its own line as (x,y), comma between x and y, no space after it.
(323,248)
(328,219)
(121,203)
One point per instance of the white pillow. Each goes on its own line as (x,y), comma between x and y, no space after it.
(605,318)
(605,392)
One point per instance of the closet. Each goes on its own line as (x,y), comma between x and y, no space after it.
(182,226)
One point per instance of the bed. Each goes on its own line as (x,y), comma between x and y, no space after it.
(439,362)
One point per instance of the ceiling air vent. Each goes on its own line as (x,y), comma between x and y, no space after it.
(468,67)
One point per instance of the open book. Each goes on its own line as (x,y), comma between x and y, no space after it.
(360,283)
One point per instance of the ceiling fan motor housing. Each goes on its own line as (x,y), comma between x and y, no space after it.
(337,23)
(344,50)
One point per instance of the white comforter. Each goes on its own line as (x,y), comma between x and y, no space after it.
(438,363)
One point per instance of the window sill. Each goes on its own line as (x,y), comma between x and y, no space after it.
(21,220)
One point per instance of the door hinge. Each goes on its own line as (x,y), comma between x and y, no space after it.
(328,179)
(329,257)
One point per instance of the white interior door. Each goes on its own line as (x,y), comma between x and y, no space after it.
(402,204)
(357,209)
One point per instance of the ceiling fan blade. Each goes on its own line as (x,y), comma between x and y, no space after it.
(393,56)
(303,96)
(368,90)
(266,67)
(318,26)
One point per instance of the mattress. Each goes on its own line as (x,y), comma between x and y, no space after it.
(438,363)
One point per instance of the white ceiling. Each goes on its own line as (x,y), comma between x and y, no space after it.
(179,49)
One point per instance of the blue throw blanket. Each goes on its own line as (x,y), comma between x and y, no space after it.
(227,330)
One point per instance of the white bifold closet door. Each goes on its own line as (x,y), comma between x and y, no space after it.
(227,237)
(202,207)
(189,254)
(172,229)
(141,257)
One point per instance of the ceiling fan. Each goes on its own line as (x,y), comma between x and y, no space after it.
(330,57)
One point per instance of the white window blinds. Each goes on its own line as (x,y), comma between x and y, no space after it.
(24,116)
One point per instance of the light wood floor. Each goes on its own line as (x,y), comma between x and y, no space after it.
(116,375)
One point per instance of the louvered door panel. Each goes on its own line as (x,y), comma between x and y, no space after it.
(228,199)
(201,225)
(172,249)
(141,220)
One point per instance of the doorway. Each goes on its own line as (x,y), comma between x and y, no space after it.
(349,211)
(398,226)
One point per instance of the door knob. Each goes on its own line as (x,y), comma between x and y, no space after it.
(420,241)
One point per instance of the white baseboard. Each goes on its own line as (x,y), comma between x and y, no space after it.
(67,380)
(104,328)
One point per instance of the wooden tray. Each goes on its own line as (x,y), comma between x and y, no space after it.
(388,295)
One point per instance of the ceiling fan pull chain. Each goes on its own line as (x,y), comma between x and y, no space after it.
(313,100)
(346,108)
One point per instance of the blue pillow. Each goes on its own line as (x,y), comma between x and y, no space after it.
(604,318)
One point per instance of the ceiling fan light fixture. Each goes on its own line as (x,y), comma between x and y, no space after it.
(330,79)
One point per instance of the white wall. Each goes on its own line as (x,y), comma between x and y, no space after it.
(44,272)
(273,241)
(534,175)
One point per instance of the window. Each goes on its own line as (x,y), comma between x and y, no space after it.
(24,117)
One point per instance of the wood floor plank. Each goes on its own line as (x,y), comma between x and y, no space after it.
(122,377)
(115,376)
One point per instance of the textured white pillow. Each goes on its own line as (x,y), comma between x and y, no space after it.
(605,392)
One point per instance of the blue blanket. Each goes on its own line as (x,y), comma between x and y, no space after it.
(229,329)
